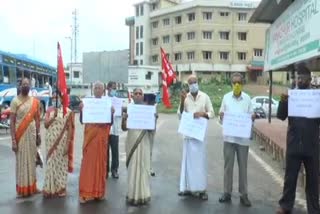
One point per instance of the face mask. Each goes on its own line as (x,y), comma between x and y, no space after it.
(194,88)
(113,93)
(237,88)
(25,90)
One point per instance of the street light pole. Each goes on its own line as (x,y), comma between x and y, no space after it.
(71,49)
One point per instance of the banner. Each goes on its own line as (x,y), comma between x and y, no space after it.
(294,36)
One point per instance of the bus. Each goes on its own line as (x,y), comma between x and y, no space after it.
(14,67)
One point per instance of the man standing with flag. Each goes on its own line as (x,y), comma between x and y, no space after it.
(168,77)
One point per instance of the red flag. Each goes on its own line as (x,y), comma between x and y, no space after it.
(167,68)
(61,82)
(168,77)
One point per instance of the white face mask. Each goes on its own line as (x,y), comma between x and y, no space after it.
(194,88)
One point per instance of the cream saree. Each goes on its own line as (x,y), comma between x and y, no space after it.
(138,164)
(59,149)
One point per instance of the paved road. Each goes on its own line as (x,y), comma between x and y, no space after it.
(264,178)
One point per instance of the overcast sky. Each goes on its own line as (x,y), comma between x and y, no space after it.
(33,27)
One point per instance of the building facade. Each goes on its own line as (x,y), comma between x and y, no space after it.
(201,36)
(74,74)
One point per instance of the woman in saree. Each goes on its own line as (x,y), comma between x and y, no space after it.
(59,142)
(138,159)
(92,183)
(25,134)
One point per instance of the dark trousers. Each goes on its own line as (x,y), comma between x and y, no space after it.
(311,164)
(114,148)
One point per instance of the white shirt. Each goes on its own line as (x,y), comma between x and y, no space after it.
(202,103)
(242,104)
(115,128)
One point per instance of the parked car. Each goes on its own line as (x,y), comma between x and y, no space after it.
(260,113)
(263,101)
(124,96)
(74,102)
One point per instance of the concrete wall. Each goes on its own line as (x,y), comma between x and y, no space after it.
(105,66)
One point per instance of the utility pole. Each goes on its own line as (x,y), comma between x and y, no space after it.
(70,67)
(75,29)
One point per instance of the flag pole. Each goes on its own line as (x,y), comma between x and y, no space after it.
(57,83)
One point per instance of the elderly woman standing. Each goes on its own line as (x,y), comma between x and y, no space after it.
(59,146)
(25,133)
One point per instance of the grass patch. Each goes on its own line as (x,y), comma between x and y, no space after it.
(214,90)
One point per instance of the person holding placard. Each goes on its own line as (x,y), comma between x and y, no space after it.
(114,135)
(92,181)
(302,147)
(138,157)
(236,101)
(193,176)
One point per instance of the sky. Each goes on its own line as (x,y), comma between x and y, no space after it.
(33,27)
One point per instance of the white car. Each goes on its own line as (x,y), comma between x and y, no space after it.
(263,101)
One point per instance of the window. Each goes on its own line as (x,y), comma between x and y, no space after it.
(155,41)
(148,75)
(207,55)
(137,49)
(137,32)
(242,56)
(224,55)
(191,17)
(178,20)
(141,62)
(207,15)
(168,56)
(67,75)
(166,22)
(141,10)
(141,32)
(177,56)
(154,6)
(224,35)
(258,52)
(242,36)
(141,48)
(155,24)
(155,58)
(190,55)
(76,74)
(166,39)
(242,16)
(137,10)
(178,37)
(225,14)
(191,35)
(207,34)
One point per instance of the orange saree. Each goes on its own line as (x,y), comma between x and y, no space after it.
(92,184)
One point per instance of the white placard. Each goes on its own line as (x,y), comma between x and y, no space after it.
(194,128)
(96,110)
(141,117)
(237,124)
(304,103)
(117,105)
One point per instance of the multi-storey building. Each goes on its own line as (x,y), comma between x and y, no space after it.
(206,37)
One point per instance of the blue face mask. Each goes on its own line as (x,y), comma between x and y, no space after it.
(194,88)
(113,93)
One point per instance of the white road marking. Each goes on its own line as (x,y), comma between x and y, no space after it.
(276,177)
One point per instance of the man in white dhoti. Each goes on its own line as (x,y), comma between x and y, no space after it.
(193,177)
